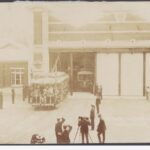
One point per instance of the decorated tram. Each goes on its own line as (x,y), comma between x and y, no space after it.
(47,91)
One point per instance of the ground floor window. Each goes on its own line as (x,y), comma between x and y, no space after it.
(17,76)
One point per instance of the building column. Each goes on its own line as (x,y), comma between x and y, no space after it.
(119,74)
(45,41)
(40,39)
(37,40)
(144,73)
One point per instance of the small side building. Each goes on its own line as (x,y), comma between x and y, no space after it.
(14,65)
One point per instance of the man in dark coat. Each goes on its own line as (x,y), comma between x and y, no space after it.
(98,101)
(92,116)
(101,130)
(99,91)
(58,129)
(65,134)
(13,95)
(83,124)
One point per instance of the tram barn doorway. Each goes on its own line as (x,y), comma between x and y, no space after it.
(80,67)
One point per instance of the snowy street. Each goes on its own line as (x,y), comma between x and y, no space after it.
(127,120)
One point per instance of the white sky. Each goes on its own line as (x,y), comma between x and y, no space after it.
(93,11)
(15,24)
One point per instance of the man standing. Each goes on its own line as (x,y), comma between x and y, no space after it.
(58,129)
(83,124)
(65,134)
(98,101)
(101,130)
(13,95)
(99,91)
(92,116)
(24,92)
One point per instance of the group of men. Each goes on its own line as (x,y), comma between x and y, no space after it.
(62,135)
(101,128)
(62,131)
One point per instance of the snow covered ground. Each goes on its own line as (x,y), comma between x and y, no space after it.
(127,119)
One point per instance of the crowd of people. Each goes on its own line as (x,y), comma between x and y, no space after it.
(45,94)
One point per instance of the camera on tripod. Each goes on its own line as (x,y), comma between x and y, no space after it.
(83,118)
(65,126)
(83,123)
(60,119)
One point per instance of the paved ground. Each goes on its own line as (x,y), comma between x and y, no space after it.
(127,120)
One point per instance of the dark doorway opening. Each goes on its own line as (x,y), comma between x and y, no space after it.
(80,67)
(83,71)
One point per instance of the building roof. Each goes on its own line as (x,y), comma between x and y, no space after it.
(13,52)
(118,27)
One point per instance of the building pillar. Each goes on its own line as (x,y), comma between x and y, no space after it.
(45,41)
(119,74)
(144,74)
(40,40)
(37,40)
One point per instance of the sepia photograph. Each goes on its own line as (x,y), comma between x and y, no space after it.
(74,73)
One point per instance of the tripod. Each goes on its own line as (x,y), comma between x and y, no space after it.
(77,134)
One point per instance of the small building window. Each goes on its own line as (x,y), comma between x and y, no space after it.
(17,76)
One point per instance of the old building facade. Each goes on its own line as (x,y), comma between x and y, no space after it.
(115,47)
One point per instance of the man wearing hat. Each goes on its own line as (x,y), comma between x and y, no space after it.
(98,102)
(101,130)
(92,116)
(83,123)
(58,129)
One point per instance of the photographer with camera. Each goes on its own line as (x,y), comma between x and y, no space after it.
(58,129)
(65,134)
(83,123)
